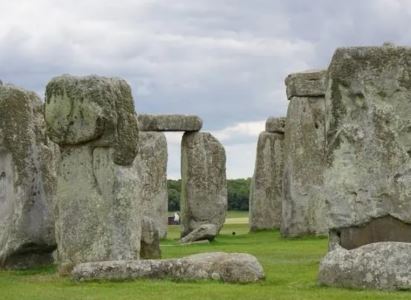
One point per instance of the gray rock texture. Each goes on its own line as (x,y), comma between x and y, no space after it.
(368,136)
(27,181)
(306,84)
(169,123)
(98,215)
(384,265)
(92,109)
(151,162)
(266,183)
(275,125)
(204,186)
(304,208)
(204,232)
(227,267)
(150,239)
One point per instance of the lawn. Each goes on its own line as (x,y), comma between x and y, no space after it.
(291,267)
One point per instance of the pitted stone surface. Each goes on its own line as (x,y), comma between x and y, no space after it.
(227,267)
(98,211)
(306,84)
(27,181)
(92,109)
(204,186)
(369,135)
(275,125)
(150,239)
(266,184)
(304,208)
(151,162)
(169,123)
(385,265)
(98,214)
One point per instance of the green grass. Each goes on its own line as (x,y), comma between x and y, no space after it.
(237,214)
(291,267)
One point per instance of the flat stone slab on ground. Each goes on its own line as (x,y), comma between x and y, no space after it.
(384,265)
(169,122)
(227,267)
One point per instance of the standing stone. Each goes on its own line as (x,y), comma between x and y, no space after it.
(151,162)
(150,239)
(368,179)
(204,186)
(304,207)
(98,216)
(266,184)
(27,181)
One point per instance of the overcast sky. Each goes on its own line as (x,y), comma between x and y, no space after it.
(224,60)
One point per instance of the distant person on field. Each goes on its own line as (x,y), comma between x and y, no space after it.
(176,218)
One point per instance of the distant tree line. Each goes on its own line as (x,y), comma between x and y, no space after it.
(238,193)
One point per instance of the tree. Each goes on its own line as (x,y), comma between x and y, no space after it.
(237,189)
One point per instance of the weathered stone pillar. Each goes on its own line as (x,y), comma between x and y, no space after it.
(266,184)
(151,163)
(204,186)
(304,208)
(27,181)
(369,140)
(368,177)
(98,216)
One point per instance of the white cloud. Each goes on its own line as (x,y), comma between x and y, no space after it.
(240,131)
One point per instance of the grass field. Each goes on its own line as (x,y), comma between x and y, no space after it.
(291,267)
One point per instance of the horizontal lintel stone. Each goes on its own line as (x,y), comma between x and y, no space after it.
(169,122)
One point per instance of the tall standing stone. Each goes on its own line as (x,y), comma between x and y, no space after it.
(98,216)
(266,184)
(304,208)
(204,186)
(27,181)
(152,169)
(368,179)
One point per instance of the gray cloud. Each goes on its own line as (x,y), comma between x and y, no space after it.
(224,60)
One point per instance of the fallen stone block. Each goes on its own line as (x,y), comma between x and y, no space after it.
(169,123)
(204,232)
(383,265)
(226,267)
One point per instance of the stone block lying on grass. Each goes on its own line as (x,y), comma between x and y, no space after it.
(383,265)
(227,267)
(204,232)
